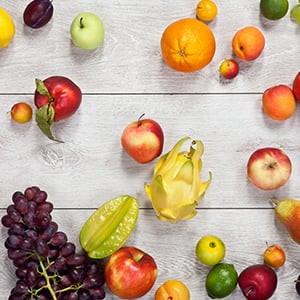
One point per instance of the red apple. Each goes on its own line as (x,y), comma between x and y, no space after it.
(296,87)
(130,273)
(143,140)
(269,168)
(56,98)
(229,68)
(258,282)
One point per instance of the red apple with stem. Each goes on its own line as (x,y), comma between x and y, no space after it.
(258,282)
(269,168)
(130,273)
(56,98)
(143,140)
(229,68)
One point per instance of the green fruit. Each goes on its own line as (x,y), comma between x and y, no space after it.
(221,280)
(274,9)
(108,228)
(295,14)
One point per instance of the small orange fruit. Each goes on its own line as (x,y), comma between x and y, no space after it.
(206,10)
(274,256)
(279,102)
(172,289)
(188,45)
(21,112)
(248,43)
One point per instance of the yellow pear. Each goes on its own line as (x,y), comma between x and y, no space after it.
(287,212)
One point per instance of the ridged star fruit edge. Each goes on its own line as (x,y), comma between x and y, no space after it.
(109,227)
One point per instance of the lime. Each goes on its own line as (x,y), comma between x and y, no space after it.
(274,9)
(108,228)
(7,28)
(221,280)
(295,14)
(210,250)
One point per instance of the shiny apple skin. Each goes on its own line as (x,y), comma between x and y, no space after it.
(258,282)
(269,168)
(130,273)
(66,96)
(296,87)
(143,140)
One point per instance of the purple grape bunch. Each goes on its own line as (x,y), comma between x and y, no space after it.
(47,264)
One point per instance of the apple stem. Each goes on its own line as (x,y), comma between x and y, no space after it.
(139,119)
(81,22)
(274,201)
(248,292)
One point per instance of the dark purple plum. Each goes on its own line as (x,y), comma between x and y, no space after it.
(38,13)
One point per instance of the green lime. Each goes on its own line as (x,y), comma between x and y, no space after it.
(274,9)
(295,13)
(221,280)
(108,228)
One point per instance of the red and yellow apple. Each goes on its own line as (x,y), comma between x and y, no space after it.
(248,43)
(296,87)
(143,140)
(274,256)
(279,102)
(21,112)
(269,168)
(229,68)
(172,289)
(130,273)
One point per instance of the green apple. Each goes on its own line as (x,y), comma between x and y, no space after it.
(87,31)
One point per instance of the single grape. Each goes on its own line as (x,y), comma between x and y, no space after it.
(46,206)
(67,249)
(40,197)
(84,295)
(15,241)
(30,192)
(21,272)
(77,274)
(42,248)
(30,219)
(21,287)
(32,206)
(31,234)
(49,232)
(21,204)
(71,296)
(28,244)
(15,253)
(31,277)
(16,228)
(75,260)
(38,13)
(295,14)
(13,213)
(6,221)
(97,293)
(59,239)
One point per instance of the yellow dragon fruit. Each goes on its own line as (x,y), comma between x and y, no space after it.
(176,187)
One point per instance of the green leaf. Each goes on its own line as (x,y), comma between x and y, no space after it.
(44,118)
(42,89)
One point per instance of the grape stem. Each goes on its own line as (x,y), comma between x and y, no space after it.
(48,281)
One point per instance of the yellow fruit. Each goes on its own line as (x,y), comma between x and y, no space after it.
(7,28)
(206,10)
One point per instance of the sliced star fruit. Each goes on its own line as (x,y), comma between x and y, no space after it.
(109,227)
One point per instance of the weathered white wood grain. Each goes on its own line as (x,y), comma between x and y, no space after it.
(126,77)
(245,233)
(130,61)
(91,167)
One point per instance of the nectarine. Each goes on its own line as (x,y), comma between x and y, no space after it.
(248,43)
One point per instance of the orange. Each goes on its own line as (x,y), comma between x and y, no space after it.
(188,45)
(206,10)
(248,43)
(279,102)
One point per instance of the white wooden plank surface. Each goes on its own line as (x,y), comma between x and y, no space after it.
(125,78)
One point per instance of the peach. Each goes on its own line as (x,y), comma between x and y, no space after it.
(248,43)
(279,102)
